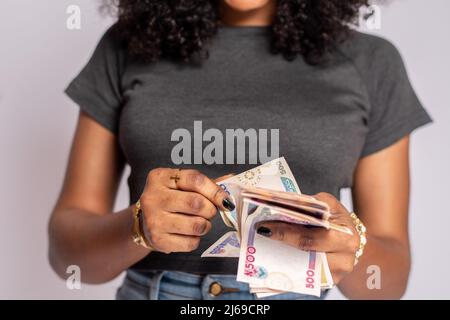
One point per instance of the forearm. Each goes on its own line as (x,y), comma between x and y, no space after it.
(392,257)
(101,245)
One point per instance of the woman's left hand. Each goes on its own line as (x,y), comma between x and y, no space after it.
(339,247)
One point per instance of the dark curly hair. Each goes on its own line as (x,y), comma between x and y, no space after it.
(178,29)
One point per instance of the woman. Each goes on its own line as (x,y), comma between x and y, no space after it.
(342,103)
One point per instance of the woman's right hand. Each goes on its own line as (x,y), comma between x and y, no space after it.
(178,206)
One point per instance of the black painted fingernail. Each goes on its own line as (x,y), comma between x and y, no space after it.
(228,204)
(266,232)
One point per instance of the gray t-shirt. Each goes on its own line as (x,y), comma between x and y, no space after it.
(328,116)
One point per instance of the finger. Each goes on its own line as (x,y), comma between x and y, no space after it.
(329,199)
(297,236)
(340,263)
(176,223)
(193,180)
(301,237)
(333,260)
(165,177)
(339,213)
(189,203)
(168,243)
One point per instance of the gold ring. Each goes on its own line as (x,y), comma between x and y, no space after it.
(175,178)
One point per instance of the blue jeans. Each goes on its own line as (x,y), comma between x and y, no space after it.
(170,285)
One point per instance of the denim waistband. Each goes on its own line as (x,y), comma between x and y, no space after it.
(165,285)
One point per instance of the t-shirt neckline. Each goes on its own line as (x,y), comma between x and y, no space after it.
(244,30)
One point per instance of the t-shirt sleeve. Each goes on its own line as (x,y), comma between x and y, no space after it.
(395,109)
(97,88)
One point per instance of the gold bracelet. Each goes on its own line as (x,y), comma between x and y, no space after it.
(138,230)
(361,229)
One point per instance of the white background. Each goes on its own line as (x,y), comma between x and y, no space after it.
(38,57)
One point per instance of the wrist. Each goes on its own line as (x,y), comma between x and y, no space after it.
(361,231)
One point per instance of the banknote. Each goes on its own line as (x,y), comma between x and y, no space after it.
(268,212)
(326,281)
(273,264)
(288,215)
(273,175)
(290,200)
(227,246)
(326,277)
(270,193)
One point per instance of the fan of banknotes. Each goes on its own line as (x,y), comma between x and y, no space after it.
(270,193)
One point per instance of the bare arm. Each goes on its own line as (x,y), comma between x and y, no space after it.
(381,195)
(82,230)
(381,199)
